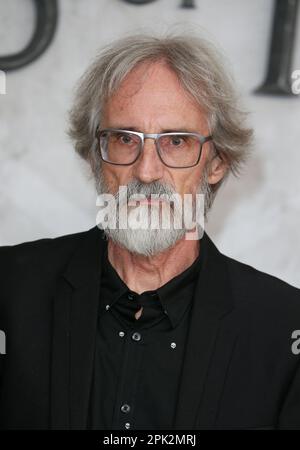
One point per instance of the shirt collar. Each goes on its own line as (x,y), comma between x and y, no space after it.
(175,296)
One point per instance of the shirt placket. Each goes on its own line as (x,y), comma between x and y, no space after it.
(134,344)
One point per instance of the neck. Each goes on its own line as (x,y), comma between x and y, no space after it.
(143,273)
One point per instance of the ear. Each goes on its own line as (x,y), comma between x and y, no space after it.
(217,170)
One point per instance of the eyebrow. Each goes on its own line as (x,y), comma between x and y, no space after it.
(169,130)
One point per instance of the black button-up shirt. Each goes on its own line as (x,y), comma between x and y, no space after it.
(138,362)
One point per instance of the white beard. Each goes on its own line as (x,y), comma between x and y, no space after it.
(143,236)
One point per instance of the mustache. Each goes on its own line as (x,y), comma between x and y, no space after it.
(157,188)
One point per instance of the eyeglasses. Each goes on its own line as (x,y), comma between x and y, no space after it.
(177,150)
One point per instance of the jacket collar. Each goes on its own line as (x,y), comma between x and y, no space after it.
(85,265)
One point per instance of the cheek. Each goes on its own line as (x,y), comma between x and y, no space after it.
(116,176)
(187,183)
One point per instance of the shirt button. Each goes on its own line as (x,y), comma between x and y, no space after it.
(107,307)
(136,336)
(121,333)
(125,408)
(130,297)
(127,425)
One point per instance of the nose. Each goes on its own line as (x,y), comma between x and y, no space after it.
(148,167)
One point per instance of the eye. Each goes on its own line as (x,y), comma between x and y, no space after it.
(177,141)
(124,138)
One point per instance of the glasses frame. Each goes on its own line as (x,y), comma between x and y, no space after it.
(154,136)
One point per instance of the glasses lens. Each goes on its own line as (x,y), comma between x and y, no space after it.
(179,150)
(119,147)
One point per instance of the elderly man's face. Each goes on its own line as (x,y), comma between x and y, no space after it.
(151,100)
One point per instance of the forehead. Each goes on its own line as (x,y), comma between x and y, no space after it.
(153,92)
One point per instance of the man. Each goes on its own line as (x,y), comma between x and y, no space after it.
(141,327)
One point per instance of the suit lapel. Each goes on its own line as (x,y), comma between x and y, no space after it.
(74,333)
(207,345)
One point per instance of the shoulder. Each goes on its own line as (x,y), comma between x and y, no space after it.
(30,273)
(248,284)
(40,254)
(250,279)
(261,295)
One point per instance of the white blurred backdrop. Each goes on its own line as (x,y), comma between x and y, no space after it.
(45,190)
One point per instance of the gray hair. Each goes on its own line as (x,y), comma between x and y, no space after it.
(199,66)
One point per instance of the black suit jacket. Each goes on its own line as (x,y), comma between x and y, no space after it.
(239,369)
